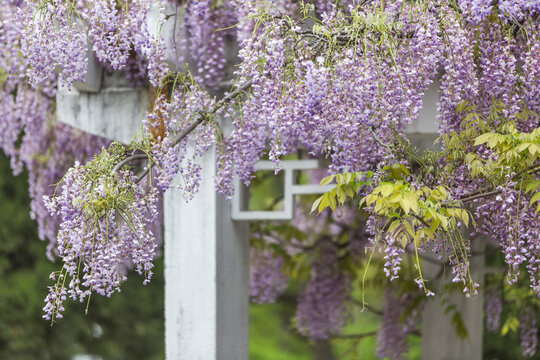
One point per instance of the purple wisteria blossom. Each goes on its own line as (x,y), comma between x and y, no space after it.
(392,334)
(493,310)
(322,307)
(528,333)
(266,278)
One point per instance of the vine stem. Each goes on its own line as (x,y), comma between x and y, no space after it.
(179,137)
(128,160)
(355,336)
(476,195)
(533,168)
(185,132)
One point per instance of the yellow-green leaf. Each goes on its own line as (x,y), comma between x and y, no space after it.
(405,205)
(386,189)
(327,180)
(409,229)
(324,202)
(316,204)
(512,323)
(404,241)
(465,217)
(332,200)
(393,226)
(483,138)
(535,198)
(412,200)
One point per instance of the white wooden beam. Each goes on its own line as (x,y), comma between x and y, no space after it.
(116,112)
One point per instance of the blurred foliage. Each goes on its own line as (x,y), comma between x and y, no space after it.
(272,336)
(505,343)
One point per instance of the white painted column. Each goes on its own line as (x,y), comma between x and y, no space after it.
(439,338)
(206,276)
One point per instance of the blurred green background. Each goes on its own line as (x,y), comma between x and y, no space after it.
(129,325)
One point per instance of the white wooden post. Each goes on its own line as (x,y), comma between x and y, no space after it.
(439,338)
(206,275)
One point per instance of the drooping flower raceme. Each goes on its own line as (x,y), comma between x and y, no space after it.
(266,278)
(105,223)
(493,310)
(392,336)
(528,333)
(322,308)
(53,38)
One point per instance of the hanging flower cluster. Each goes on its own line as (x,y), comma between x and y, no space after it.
(104,225)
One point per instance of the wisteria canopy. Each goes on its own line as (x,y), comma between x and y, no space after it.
(335,80)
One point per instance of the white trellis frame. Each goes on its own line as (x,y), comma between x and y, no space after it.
(206,242)
(290,191)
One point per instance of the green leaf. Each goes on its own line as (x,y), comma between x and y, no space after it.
(316,204)
(483,138)
(459,326)
(534,149)
(327,180)
(523,146)
(428,233)
(397,170)
(361,202)
(465,217)
(435,224)
(463,106)
(324,202)
(535,198)
(512,323)
(370,199)
(341,194)
(444,221)
(332,200)
(378,206)
(430,213)
(532,186)
(349,191)
(393,226)
(385,189)
(443,192)
(449,308)
(412,201)
(405,205)
(404,241)
(417,241)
